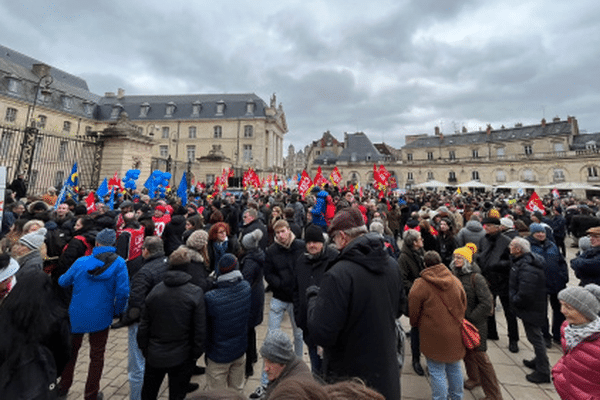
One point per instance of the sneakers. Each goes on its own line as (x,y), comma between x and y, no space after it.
(529,363)
(259,393)
(513,347)
(538,377)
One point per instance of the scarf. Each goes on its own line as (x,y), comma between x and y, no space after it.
(220,249)
(289,242)
(575,334)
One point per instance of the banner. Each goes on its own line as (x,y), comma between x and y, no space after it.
(335,176)
(305,184)
(319,178)
(182,189)
(535,204)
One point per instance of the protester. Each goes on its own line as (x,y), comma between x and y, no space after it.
(221,242)
(587,265)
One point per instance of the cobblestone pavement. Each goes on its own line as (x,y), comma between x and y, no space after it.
(509,367)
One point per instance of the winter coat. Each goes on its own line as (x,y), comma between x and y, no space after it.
(233,247)
(31,260)
(151,274)
(580,223)
(198,270)
(173,326)
(558,223)
(359,299)
(439,326)
(576,375)
(251,227)
(555,266)
(447,245)
(411,264)
(309,271)
(173,233)
(479,300)
(299,214)
(527,289)
(227,314)
(295,369)
(493,258)
(587,266)
(280,264)
(75,249)
(252,270)
(473,232)
(100,290)
(319,209)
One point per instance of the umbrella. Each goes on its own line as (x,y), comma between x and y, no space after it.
(515,185)
(571,186)
(432,184)
(474,184)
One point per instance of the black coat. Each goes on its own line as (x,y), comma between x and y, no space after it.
(360,297)
(173,234)
(251,227)
(151,274)
(280,263)
(252,270)
(309,271)
(527,289)
(173,326)
(493,258)
(233,247)
(587,266)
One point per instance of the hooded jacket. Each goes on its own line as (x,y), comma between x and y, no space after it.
(359,299)
(251,268)
(587,266)
(527,289)
(100,289)
(436,304)
(555,266)
(472,233)
(411,265)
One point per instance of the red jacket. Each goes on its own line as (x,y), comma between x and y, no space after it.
(576,375)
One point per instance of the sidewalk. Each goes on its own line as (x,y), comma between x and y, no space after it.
(509,367)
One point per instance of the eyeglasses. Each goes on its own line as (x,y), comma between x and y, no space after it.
(219,232)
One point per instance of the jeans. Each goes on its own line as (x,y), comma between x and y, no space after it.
(97,348)
(135,365)
(535,337)
(316,362)
(446,380)
(278,308)
(179,377)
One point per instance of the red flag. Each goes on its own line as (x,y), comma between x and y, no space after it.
(535,204)
(115,181)
(335,176)
(90,202)
(319,178)
(304,184)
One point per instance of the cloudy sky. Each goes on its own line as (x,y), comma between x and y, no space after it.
(385,67)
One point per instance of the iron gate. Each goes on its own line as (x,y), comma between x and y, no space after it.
(46,160)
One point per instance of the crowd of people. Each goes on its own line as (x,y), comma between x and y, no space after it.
(189,281)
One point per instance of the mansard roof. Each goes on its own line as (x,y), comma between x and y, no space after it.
(359,148)
(580,141)
(234,106)
(495,136)
(327,157)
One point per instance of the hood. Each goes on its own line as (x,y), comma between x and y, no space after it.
(439,276)
(101,266)
(233,276)
(176,278)
(256,254)
(474,226)
(531,258)
(368,251)
(178,220)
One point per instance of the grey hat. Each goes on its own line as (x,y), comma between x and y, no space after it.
(34,240)
(126,203)
(582,299)
(197,240)
(278,348)
(507,223)
(251,240)
(10,270)
(584,243)
(106,237)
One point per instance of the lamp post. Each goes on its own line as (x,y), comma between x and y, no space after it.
(27,153)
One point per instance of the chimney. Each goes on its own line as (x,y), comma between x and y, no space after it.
(543,122)
(40,69)
(464,129)
(437,131)
(110,95)
(518,125)
(556,119)
(489,129)
(120,93)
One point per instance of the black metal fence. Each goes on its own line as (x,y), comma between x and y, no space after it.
(47,159)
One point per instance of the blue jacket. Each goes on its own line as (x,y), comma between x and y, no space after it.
(555,266)
(99,291)
(319,209)
(587,266)
(227,314)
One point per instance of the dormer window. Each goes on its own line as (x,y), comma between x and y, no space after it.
(67,102)
(14,84)
(220,107)
(116,111)
(591,145)
(88,108)
(250,107)
(170,109)
(196,108)
(144,108)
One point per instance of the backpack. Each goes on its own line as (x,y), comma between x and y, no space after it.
(88,247)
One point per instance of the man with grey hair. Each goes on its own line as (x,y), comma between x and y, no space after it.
(251,222)
(352,315)
(527,295)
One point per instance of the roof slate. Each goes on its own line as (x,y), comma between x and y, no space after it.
(359,148)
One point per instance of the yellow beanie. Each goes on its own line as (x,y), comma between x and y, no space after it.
(493,213)
(465,252)
(472,246)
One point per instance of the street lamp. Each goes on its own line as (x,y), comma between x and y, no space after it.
(47,81)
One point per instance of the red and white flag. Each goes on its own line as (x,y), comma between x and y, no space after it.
(535,204)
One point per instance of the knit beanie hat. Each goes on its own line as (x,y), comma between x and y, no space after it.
(465,252)
(106,237)
(180,256)
(534,228)
(314,233)
(472,247)
(251,240)
(227,263)
(345,219)
(582,299)
(10,270)
(277,348)
(494,213)
(376,227)
(584,243)
(507,222)
(197,240)
(34,240)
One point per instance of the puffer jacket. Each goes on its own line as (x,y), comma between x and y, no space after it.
(411,264)
(280,263)
(252,270)
(173,326)
(555,266)
(227,314)
(493,258)
(576,375)
(473,232)
(173,234)
(527,289)
(587,266)
(151,274)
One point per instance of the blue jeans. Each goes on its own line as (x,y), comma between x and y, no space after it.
(278,309)
(135,365)
(316,362)
(446,380)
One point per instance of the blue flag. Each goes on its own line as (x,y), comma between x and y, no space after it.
(70,186)
(103,189)
(111,201)
(182,189)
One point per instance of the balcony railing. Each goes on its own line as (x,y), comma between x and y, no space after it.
(507,157)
